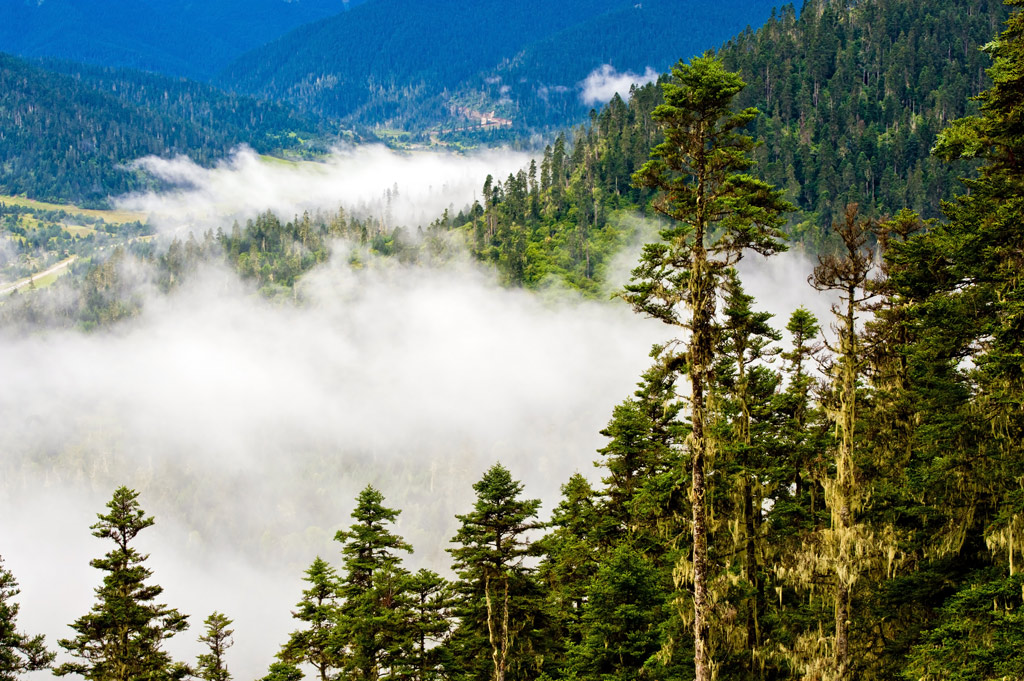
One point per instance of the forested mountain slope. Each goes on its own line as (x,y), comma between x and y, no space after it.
(852,97)
(176,37)
(398,61)
(64,136)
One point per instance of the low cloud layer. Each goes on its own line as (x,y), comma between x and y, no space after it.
(604,82)
(408,189)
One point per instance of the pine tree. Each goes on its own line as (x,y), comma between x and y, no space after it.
(966,298)
(570,558)
(317,645)
(717,212)
(627,607)
(641,495)
(500,604)
(850,549)
(19,652)
(121,638)
(748,390)
(211,666)
(370,620)
(283,671)
(798,430)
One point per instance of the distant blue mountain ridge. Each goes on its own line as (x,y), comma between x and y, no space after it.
(408,62)
(190,38)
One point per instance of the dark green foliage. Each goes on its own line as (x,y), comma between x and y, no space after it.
(980,634)
(717,211)
(19,652)
(500,609)
(643,496)
(571,558)
(854,94)
(960,284)
(845,120)
(624,615)
(563,219)
(121,638)
(371,625)
(428,604)
(283,671)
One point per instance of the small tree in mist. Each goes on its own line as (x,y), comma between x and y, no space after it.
(18,652)
(428,603)
(211,666)
(283,671)
(121,638)
(317,645)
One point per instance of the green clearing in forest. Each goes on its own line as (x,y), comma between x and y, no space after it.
(111,216)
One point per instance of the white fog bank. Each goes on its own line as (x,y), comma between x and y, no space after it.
(249,427)
(421,185)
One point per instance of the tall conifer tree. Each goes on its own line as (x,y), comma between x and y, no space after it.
(717,211)
(371,625)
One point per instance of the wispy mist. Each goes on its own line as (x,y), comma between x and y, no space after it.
(604,82)
(408,189)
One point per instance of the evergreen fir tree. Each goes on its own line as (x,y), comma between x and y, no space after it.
(318,644)
(370,619)
(19,652)
(427,605)
(121,638)
(500,606)
(966,298)
(747,391)
(570,559)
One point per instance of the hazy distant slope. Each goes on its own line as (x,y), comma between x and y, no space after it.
(177,37)
(65,136)
(334,65)
(654,33)
(368,64)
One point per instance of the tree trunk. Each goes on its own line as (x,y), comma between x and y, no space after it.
(842,519)
(750,565)
(702,304)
